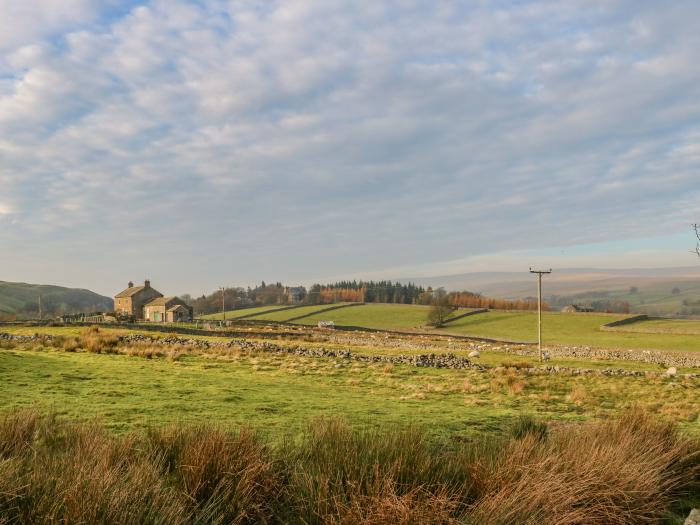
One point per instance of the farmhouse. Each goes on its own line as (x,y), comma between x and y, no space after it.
(146,303)
(168,310)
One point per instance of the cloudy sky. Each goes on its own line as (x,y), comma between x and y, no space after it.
(207,142)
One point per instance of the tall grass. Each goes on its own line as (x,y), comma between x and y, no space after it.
(632,470)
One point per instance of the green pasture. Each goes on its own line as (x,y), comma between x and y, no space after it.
(242,312)
(376,346)
(378,316)
(663,326)
(558,328)
(296,312)
(280,393)
(568,329)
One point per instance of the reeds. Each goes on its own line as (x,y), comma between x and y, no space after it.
(631,470)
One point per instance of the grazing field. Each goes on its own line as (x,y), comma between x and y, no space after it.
(332,439)
(296,312)
(568,329)
(279,391)
(558,328)
(241,312)
(377,316)
(663,326)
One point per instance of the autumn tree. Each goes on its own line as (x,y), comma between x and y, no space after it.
(440,308)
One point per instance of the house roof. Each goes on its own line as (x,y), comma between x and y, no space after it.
(178,307)
(161,301)
(130,291)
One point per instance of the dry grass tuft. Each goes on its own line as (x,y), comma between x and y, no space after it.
(628,471)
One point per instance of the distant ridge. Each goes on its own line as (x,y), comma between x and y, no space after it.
(563,280)
(653,291)
(22,300)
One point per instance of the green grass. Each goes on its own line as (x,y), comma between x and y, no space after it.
(663,326)
(235,314)
(490,358)
(379,316)
(296,312)
(565,329)
(280,393)
(568,329)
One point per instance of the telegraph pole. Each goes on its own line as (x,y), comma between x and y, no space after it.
(40,312)
(539,273)
(223,305)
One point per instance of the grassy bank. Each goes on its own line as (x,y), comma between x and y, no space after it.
(630,471)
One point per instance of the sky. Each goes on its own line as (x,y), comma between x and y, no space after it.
(211,143)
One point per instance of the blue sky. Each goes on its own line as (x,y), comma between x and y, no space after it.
(218,143)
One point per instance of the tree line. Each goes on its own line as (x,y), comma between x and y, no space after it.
(348,291)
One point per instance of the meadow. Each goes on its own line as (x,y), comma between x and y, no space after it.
(243,312)
(136,386)
(133,432)
(558,328)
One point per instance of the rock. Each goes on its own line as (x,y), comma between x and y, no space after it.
(693,518)
(671,372)
(474,353)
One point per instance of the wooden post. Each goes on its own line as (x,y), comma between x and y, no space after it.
(223,306)
(539,307)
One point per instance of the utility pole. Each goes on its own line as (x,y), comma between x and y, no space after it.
(223,304)
(40,313)
(539,306)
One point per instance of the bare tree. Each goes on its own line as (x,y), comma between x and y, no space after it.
(696,227)
(440,308)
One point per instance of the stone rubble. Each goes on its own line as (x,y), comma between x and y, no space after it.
(432,360)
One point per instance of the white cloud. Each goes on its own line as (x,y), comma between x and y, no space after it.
(345,135)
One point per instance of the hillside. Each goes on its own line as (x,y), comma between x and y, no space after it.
(654,291)
(22,300)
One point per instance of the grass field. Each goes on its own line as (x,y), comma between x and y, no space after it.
(663,326)
(134,392)
(564,329)
(379,316)
(278,393)
(296,312)
(241,312)
(568,329)
(377,347)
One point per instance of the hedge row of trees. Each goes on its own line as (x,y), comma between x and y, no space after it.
(473,300)
(351,291)
(366,292)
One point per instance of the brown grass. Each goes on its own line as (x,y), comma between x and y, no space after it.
(629,471)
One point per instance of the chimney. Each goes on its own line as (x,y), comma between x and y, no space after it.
(147,283)
(131,284)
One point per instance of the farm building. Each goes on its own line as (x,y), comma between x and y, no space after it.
(146,303)
(131,301)
(168,310)
(574,308)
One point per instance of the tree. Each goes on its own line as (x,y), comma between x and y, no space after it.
(696,227)
(440,308)
(676,291)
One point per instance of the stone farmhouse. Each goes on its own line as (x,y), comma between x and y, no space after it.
(148,304)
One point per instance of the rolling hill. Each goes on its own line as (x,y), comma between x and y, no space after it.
(654,291)
(22,300)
